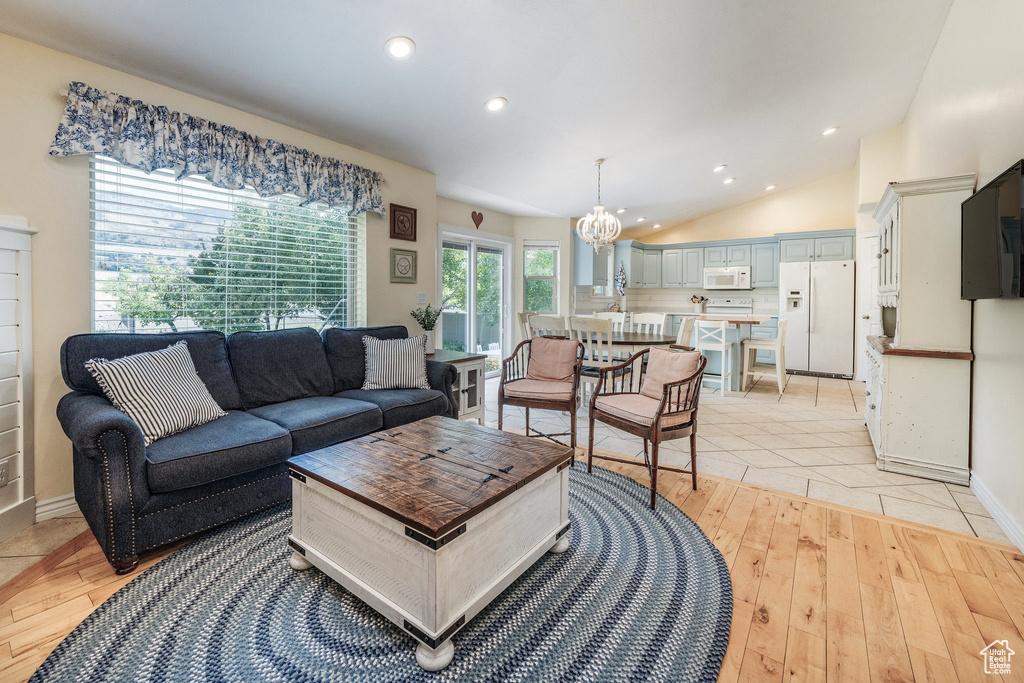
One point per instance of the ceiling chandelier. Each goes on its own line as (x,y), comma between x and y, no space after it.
(600,227)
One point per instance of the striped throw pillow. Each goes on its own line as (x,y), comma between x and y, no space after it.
(159,390)
(396,363)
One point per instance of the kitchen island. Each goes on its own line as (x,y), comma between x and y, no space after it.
(738,328)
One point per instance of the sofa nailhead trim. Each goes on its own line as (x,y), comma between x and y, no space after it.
(211,526)
(195,500)
(131,497)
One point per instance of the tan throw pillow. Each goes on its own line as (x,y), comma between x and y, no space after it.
(552,360)
(664,366)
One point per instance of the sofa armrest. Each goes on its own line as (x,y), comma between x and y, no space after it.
(110,470)
(441,376)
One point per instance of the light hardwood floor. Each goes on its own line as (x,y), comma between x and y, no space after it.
(821,592)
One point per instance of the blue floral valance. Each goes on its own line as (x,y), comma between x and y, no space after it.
(149,137)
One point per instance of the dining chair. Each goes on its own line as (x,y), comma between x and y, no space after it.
(778,345)
(685,337)
(548,326)
(648,323)
(711,336)
(595,334)
(618,319)
(542,373)
(524,323)
(658,404)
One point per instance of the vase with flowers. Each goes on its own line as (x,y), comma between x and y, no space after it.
(427,317)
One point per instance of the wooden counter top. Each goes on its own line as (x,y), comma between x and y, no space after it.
(736,319)
(883,345)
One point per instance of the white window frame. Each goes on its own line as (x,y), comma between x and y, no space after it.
(543,245)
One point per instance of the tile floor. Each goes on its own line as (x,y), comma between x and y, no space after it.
(25,548)
(810,441)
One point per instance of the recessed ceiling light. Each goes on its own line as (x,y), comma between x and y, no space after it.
(641,219)
(829,131)
(729,181)
(656,226)
(399,47)
(769,187)
(496,104)
(622,210)
(720,168)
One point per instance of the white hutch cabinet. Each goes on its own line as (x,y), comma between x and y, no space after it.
(918,390)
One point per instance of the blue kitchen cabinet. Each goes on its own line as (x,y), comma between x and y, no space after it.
(716,256)
(693,268)
(797,250)
(737,255)
(833,249)
(764,265)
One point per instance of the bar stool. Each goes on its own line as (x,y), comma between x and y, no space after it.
(711,337)
(778,345)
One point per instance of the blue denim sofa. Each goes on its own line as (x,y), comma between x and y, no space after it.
(286,392)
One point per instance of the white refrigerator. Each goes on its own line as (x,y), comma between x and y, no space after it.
(816,297)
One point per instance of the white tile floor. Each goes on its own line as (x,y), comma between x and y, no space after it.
(810,441)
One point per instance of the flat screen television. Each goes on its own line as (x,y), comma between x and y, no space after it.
(991,244)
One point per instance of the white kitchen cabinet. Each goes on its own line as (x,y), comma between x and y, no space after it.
(652,269)
(918,391)
(693,267)
(672,268)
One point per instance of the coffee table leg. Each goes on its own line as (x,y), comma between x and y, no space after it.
(561,545)
(298,562)
(435,660)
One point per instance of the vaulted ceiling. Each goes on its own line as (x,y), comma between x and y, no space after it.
(664,89)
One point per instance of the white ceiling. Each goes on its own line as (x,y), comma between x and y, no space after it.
(664,89)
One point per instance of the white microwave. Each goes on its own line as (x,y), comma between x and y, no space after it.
(728,277)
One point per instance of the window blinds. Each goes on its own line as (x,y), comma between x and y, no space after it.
(172,255)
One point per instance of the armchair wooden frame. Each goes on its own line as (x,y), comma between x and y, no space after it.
(515,367)
(679,398)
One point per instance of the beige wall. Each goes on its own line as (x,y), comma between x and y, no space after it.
(967,116)
(460,214)
(54,194)
(879,162)
(823,204)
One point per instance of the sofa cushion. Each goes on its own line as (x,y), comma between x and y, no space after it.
(401,406)
(346,355)
(281,365)
(159,390)
(209,353)
(322,421)
(234,444)
(396,363)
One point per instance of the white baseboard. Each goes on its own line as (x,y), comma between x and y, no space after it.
(1010,526)
(56,507)
(16,518)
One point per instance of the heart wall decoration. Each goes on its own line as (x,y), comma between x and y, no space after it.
(478,218)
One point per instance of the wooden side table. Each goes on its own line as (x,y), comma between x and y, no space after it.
(470,383)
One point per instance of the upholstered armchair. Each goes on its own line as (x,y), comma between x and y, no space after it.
(653,395)
(542,373)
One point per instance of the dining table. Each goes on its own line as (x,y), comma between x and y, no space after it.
(637,341)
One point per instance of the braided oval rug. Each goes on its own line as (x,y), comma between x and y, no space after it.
(639,596)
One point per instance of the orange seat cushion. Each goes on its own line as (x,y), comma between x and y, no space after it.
(638,409)
(665,366)
(539,389)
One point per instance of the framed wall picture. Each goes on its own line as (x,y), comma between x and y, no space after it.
(403,223)
(403,266)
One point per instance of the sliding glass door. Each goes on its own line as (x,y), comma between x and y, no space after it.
(475,291)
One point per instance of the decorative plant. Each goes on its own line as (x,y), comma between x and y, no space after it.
(428,315)
(698,299)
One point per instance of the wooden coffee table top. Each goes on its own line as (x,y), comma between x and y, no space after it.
(434,474)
